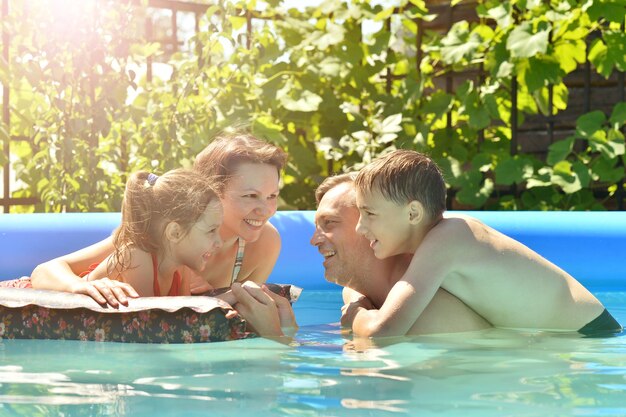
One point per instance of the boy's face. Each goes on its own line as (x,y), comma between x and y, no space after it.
(384,223)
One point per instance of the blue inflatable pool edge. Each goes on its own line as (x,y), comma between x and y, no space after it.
(588,245)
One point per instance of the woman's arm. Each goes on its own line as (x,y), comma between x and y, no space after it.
(269,314)
(61,274)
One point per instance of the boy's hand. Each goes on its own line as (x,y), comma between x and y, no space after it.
(350,310)
(106,291)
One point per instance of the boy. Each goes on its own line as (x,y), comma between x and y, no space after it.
(401,200)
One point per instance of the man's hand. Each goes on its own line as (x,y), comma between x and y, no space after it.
(351,309)
(106,291)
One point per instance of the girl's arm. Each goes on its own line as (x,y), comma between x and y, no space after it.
(61,274)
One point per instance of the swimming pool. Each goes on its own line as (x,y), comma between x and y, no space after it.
(486,373)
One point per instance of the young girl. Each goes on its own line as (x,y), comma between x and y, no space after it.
(168,222)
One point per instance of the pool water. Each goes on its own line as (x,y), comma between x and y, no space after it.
(486,373)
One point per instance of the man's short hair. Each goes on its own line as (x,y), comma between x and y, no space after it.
(403,176)
(331,182)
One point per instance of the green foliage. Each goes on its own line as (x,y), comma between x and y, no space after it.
(313,82)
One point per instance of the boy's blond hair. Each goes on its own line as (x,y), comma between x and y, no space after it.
(403,176)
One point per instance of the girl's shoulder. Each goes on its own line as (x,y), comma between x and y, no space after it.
(138,256)
(139,272)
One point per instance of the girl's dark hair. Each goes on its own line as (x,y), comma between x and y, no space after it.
(151,202)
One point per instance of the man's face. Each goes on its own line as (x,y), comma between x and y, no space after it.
(346,254)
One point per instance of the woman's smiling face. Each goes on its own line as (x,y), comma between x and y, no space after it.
(250,198)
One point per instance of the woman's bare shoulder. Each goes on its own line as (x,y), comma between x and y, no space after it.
(261,255)
(269,240)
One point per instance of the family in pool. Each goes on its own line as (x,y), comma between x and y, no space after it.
(406,267)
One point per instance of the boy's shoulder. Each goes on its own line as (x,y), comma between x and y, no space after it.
(454,222)
(455,230)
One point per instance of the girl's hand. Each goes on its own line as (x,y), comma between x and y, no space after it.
(106,291)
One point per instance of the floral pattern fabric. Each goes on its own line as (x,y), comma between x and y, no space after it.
(34,314)
(23,282)
(151,326)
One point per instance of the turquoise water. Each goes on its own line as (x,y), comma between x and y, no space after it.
(487,373)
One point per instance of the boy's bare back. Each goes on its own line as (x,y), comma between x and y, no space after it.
(503,280)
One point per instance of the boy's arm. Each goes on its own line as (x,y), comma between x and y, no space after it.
(409,296)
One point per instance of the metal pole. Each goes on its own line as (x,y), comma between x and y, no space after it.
(6,115)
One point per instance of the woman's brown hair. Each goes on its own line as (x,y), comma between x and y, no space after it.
(228,150)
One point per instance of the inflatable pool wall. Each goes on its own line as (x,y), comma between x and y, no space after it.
(589,245)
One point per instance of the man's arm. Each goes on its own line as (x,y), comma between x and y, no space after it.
(353,301)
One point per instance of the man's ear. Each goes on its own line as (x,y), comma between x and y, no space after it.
(173,232)
(417,213)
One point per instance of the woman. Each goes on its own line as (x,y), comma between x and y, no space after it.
(250,172)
